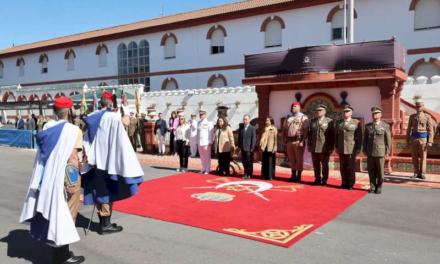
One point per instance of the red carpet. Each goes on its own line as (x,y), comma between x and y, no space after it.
(280,214)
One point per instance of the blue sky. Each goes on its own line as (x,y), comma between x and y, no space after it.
(24,21)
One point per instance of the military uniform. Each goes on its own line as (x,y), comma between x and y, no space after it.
(377,145)
(321,144)
(420,133)
(348,145)
(296,129)
(132,131)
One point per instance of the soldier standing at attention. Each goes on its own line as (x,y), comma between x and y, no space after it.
(377,145)
(132,130)
(420,136)
(295,131)
(321,142)
(348,145)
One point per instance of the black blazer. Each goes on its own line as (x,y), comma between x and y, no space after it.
(247,140)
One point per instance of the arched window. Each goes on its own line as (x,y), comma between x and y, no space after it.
(273,27)
(59,95)
(217,36)
(1,69)
(43,60)
(70,56)
(336,18)
(217,81)
(101,84)
(132,54)
(101,52)
(144,56)
(21,98)
(34,97)
(169,42)
(122,59)
(425,68)
(46,97)
(20,64)
(170,84)
(426,14)
(9,97)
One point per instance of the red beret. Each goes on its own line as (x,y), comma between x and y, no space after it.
(107,95)
(296,104)
(63,102)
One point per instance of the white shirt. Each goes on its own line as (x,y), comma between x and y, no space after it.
(183,133)
(193,127)
(204,132)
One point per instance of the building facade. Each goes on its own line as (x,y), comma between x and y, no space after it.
(206,48)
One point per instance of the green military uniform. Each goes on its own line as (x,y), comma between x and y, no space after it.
(377,145)
(348,145)
(321,141)
(132,131)
(141,131)
(420,133)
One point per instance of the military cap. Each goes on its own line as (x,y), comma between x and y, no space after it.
(202,112)
(376,109)
(321,107)
(419,103)
(348,108)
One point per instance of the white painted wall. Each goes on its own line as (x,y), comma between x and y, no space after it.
(361,98)
(377,20)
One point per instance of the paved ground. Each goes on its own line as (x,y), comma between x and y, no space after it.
(400,226)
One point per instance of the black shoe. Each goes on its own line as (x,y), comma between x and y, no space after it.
(371,190)
(107,228)
(324,183)
(298,177)
(415,175)
(378,191)
(316,182)
(293,176)
(422,176)
(245,177)
(74,260)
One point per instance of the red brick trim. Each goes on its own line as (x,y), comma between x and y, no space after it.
(6,96)
(21,98)
(100,47)
(215,76)
(166,36)
(413,4)
(270,19)
(146,74)
(435,61)
(42,56)
(46,97)
(334,10)
(34,97)
(68,52)
(214,28)
(328,97)
(423,50)
(59,95)
(168,80)
(414,66)
(19,60)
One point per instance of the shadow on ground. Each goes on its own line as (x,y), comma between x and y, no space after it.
(22,246)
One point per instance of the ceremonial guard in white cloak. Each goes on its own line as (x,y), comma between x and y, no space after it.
(114,171)
(52,200)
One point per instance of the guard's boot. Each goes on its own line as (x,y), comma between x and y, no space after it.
(317,181)
(62,255)
(298,178)
(293,176)
(378,190)
(106,227)
(415,175)
(422,176)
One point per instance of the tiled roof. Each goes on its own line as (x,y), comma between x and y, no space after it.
(171,21)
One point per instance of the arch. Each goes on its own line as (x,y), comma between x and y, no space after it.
(435,61)
(214,28)
(73,93)
(166,36)
(413,4)
(217,76)
(42,57)
(101,84)
(68,52)
(6,96)
(167,81)
(46,97)
(335,10)
(270,19)
(21,98)
(101,47)
(34,97)
(20,61)
(59,95)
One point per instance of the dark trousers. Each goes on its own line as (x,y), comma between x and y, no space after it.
(183,151)
(347,167)
(375,167)
(224,161)
(268,166)
(172,143)
(133,141)
(320,165)
(247,158)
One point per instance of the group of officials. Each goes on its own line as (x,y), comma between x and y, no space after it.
(99,159)
(322,135)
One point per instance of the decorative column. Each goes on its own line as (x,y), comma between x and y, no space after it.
(263,93)
(398,118)
(388,104)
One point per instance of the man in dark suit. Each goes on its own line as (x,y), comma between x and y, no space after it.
(246,142)
(160,130)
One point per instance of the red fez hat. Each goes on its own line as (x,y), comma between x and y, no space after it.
(107,95)
(296,104)
(63,102)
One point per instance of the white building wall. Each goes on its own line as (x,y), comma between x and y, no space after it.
(377,20)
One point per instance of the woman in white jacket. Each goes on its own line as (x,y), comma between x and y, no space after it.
(182,138)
